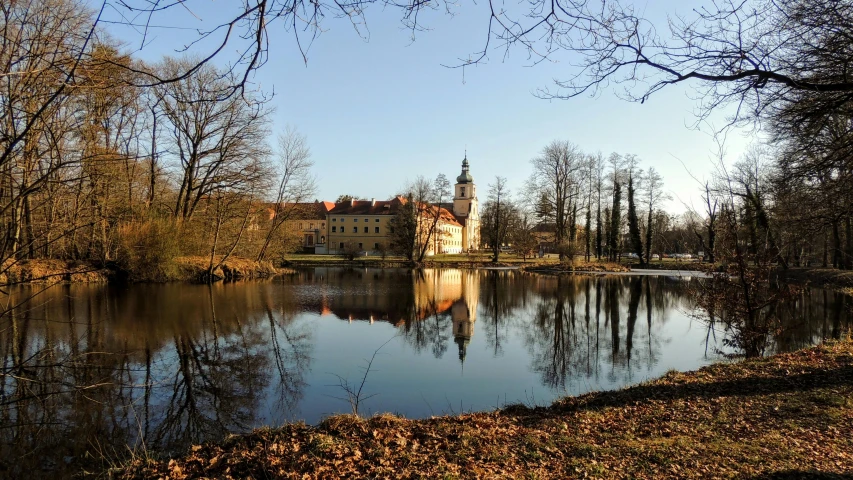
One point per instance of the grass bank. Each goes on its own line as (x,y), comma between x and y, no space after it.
(578,267)
(195,268)
(788,416)
(49,271)
(180,269)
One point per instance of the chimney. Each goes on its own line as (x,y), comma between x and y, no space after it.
(351,202)
(372,202)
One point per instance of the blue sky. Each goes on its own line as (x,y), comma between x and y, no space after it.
(377,113)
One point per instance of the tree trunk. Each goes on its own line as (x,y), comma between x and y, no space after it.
(588,232)
(836,245)
(848,234)
(649,236)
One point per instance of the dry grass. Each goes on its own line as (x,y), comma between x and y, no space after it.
(234,268)
(578,267)
(790,416)
(46,271)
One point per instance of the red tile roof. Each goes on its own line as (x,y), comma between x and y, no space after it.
(446,215)
(387,207)
(304,210)
(368,207)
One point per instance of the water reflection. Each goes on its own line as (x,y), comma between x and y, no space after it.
(99,369)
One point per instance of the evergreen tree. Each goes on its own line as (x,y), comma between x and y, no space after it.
(607,225)
(598,227)
(615,220)
(588,232)
(633,222)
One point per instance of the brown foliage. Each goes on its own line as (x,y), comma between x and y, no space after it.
(791,414)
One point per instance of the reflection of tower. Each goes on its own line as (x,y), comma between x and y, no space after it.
(463,326)
(463,312)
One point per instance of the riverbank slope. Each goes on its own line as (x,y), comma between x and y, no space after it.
(180,269)
(788,416)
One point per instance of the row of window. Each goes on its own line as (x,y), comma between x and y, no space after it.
(355,219)
(355,229)
(360,246)
(311,226)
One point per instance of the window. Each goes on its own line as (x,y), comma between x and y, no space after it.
(354,219)
(342,219)
(376,229)
(359,246)
(334,229)
(323,239)
(354,229)
(334,219)
(323,225)
(311,226)
(376,246)
(377,220)
(342,245)
(366,220)
(366,229)
(462,189)
(301,227)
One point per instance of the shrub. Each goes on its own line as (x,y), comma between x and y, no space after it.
(350,250)
(147,250)
(568,251)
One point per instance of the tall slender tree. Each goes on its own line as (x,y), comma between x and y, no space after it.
(633,221)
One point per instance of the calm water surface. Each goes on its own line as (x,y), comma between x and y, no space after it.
(166,365)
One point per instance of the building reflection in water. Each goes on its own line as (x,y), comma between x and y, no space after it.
(419,303)
(168,365)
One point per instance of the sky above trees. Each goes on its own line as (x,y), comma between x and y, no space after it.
(380,109)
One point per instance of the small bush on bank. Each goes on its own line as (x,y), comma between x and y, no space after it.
(147,250)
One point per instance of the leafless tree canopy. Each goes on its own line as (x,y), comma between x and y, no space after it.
(753,53)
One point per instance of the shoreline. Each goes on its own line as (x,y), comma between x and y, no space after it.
(191,269)
(785,416)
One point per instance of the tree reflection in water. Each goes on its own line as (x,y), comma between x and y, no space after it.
(92,371)
(566,349)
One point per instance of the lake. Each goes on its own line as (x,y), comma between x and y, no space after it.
(103,369)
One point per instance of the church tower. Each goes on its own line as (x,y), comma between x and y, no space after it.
(466,208)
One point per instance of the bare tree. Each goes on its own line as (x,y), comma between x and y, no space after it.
(213,140)
(555,182)
(654,195)
(756,54)
(497,216)
(430,213)
(297,184)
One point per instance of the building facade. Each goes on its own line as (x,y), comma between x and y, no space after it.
(364,225)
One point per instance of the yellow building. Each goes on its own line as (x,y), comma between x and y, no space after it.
(362,223)
(448,234)
(305,224)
